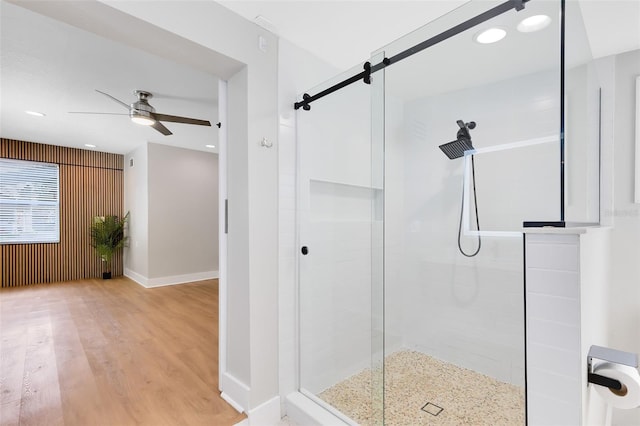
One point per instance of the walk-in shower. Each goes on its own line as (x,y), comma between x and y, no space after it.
(396,326)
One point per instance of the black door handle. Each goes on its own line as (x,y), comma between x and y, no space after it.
(304,250)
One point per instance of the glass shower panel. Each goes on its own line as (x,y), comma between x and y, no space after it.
(454,323)
(340,197)
(581,122)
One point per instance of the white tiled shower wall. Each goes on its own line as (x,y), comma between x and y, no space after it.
(621,212)
(336,304)
(468,311)
(566,276)
(553,329)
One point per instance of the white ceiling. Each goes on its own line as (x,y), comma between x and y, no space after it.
(345,32)
(53,67)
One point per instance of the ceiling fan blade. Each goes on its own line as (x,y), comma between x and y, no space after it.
(160,127)
(105,113)
(117,100)
(185,120)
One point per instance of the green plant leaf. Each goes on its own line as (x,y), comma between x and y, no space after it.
(108,236)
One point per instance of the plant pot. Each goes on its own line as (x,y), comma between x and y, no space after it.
(106,275)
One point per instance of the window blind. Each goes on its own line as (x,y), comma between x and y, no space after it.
(29,202)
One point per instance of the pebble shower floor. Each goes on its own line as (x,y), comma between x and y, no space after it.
(414,380)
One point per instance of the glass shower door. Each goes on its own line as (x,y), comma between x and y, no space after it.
(454,292)
(339,220)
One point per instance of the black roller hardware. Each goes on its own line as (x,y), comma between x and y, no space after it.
(304,250)
(369,68)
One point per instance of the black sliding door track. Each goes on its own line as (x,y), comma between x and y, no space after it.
(365,75)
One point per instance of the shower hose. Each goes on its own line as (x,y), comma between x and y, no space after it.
(475,204)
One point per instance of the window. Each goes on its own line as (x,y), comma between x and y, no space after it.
(29,202)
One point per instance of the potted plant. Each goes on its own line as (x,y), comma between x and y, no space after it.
(107,237)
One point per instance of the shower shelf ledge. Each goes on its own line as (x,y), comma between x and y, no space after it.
(353,185)
(568,228)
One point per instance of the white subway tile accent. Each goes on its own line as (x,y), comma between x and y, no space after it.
(559,257)
(553,334)
(552,283)
(551,308)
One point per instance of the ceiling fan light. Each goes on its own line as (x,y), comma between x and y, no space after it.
(141,119)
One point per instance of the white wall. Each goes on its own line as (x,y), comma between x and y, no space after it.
(616,75)
(582,150)
(624,287)
(172,195)
(183,213)
(136,202)
(238,302)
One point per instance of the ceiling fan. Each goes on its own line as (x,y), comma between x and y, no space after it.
(141,112)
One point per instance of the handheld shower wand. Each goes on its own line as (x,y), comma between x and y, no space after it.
(456,149)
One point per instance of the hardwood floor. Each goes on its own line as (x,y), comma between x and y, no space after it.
(111,352)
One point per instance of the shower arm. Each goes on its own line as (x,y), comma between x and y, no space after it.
(365,75)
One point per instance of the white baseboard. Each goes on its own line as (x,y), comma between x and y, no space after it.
(182,279)
(235,392)
(266,414)
(232,403)
(140,279)
(171,280)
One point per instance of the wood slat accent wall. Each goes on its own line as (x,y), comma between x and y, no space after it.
(91,184)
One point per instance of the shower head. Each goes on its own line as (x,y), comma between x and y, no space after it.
(456,149)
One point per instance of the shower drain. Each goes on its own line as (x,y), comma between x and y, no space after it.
(432,409)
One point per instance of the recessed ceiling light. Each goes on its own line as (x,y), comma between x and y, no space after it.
(490,35)
(88,145)
(210,146)
(36,113)
(534,23)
